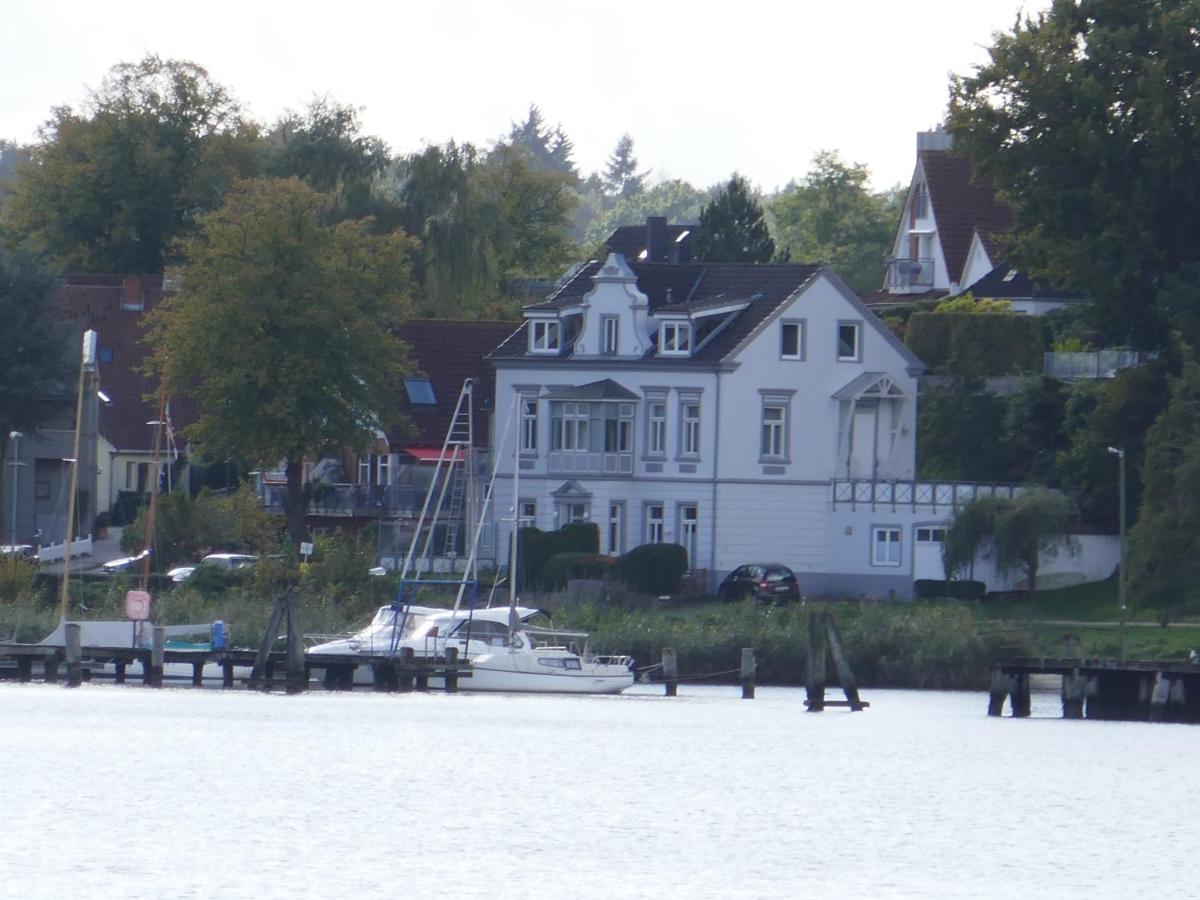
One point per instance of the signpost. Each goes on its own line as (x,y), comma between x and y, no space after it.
(306,549)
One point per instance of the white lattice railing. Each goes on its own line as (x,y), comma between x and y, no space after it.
(933,495)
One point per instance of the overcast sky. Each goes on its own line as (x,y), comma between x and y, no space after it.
(703,88)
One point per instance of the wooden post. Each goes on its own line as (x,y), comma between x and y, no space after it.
(1000,688)
(406,663)
(263,657)
(1074,689)
(297,675)
(24,669)
(670,669)
(378,677)
(119,678)
(156,656)
(451,670)
(1022,702)
(197,673)
(226,674)
(50,667)
(841,666)
(747,675)
(74,655)
(816,662)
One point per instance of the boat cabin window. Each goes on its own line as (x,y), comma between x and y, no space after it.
(553,662)
(571,663)
(481,631)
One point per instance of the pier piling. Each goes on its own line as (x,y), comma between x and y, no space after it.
(74,652)
(156,656)
(451,670)
(815,684)
(749,666)
(670,670)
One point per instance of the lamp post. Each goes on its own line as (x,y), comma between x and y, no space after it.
(1120,454)
(15,437)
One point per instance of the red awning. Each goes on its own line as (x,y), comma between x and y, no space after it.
(428,454)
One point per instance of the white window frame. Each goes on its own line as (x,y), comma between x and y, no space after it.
(656,427)
(526,512)
(571,428)
(616,528)
(801,328)
(675,338)
(610,335)
(689,426)
(857,355)
(656,524)
(529,425)
(892,545)
(364,469)
(545,335)
(689,530)
(780,429)
(383,468)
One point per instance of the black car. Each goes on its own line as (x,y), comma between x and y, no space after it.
(765,582)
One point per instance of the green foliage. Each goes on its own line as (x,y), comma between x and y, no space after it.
(733,227)
(931,589)
(1033,429)
(16,578)
(111,188)
(1014,532)
(599,215)
(968,303)
(536,547)
(548,151)
(187,529)
(1164,545)
(976,343)
(340,566)
(562,567)
(282,331)
(831,217)
(1070,119)
(621,177)
(654,568)
(960,433)
(35,365)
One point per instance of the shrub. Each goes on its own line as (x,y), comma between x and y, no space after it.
(535,547)
(562,567)
(654,568)
(977,343)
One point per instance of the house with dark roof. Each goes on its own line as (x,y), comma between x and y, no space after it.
(656,241)
(717,406)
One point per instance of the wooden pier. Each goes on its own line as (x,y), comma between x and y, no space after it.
(1102,689)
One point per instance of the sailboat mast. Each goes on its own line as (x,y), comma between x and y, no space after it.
(87,364)
(516,532)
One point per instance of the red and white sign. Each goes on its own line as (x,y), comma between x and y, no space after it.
(137,605)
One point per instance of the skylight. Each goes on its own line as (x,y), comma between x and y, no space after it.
(420,391)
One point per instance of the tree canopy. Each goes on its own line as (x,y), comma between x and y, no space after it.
(549,150)
(111,187)
(832,217)
(733,227)
(1085,119)
(621,177)
(283,330)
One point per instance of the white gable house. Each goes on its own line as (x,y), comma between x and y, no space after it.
(714,406)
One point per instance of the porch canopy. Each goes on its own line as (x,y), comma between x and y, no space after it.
(606,389)
(871,386)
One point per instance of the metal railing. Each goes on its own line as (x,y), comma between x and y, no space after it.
(1094,364)
(933,495)
(909,273)
(573,462)
(351,500)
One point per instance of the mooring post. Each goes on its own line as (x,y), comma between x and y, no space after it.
(841,666)
(749,666)
(156,656)
(50,666)
(74,650)
(1000,688)
(816,662)
(670,669)
(1074,691)
(226,674)
(1160,696)
(262,659)
(451,670)
(1022,702)
(405,678)
(24,669)
(197,673)
(297,673)
(119,678)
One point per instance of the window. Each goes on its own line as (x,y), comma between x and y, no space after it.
(656,428)
(570,426)
(849,349)
(931,535)
(676,339)
(612,332)
(136,476)
(420,391)
(364,469)
(544,336)
(885,546)
(618,431)
(920,204)
(616,529)
(374,468)
(689,425)
(383,465)
(791,340)
(529,425)
(573,513)
(654,523)
(689,520)
(774,431)
(526,513)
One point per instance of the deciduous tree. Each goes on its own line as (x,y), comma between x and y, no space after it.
(283,330)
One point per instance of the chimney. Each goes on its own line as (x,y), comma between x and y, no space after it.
(938,139)
(132,295)
(656,239)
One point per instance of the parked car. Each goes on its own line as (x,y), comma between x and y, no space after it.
(20,551)
(123,563)
(180,573)
(227,561)
(765,582)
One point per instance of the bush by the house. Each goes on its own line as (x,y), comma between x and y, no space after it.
(535,547)
(977,343)
(654,568)
(563,567)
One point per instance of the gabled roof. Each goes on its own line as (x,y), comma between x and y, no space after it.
(447,353)
(1005,282)
(961,204)
(114,306)
(691,286)
(631,240)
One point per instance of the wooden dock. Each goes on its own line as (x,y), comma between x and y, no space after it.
(1102,689)
(239,668)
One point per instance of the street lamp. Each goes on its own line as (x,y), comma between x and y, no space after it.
(1120,454)
(15,437)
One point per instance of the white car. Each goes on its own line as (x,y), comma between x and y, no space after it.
(227,561)
(180,573)
(123,564)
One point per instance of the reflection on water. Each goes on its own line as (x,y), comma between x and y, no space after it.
(128,792)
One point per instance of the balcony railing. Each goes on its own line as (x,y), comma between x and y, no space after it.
(1097,364)
(573,462)
(934,495)
(352,500)
(904,274)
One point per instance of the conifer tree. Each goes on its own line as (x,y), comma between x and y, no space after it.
(621,177)
(733,227)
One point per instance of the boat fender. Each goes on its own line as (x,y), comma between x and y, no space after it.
(218,635)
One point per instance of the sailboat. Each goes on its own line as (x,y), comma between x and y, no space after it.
(510,649)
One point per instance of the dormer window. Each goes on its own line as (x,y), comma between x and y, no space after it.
(675,339)
(612,334)
(545,336)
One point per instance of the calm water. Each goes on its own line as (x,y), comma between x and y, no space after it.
(127,792)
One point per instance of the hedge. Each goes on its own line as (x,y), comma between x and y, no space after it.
(536,547)
(977,343)
(654,568)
